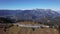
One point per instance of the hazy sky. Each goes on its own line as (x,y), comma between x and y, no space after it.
(30,4)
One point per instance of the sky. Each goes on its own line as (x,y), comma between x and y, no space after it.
(30,4)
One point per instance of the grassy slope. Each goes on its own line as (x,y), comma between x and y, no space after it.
(20,30)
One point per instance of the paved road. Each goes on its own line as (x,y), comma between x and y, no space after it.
(32,26)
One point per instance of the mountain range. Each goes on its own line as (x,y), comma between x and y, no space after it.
(35,14)
(30,14)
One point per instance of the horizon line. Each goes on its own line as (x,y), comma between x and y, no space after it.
(32,9)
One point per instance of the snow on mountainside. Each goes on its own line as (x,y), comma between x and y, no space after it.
(30,14)
(37,14)
(58,12)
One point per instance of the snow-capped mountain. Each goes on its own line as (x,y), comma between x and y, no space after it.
(30,14)
(37,14)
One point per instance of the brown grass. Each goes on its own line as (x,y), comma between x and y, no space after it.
(20,30)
